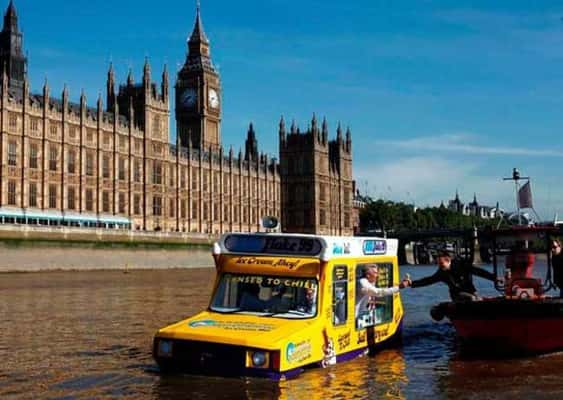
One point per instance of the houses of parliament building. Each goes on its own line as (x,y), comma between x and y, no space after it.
(113,165)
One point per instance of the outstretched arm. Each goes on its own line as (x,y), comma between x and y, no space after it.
(483,273)
(429,280)
(370,290)
(380,292)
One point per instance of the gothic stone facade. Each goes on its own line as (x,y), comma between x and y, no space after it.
(117,160)
(317,184)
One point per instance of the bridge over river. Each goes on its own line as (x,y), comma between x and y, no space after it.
(420,246)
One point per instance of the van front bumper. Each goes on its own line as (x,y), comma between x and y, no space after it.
(213,359)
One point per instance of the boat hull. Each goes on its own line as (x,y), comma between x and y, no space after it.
(508,325)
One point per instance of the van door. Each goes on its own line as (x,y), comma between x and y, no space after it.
(337,335)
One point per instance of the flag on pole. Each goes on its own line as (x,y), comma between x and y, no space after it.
(525,196)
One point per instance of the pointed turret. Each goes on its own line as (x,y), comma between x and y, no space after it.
(65,94)
(11,18)
(82,100)
(293,129)
(11,48)
(339,133)
(250,132)
(110,88)
(100,103)
(348,139)
(147,73)
(324,131)
(314,124)
(198,48)
(251,145)
(165,84)
(198,34)
(315,131)
(46,89)
(281,131)
(130,79)
(46,95)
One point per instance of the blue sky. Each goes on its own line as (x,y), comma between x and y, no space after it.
(439,94)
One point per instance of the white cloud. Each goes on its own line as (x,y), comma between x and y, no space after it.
(464,143)
(419,179)
(427,181)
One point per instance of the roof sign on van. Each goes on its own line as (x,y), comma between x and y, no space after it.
(272,244)
(375,247)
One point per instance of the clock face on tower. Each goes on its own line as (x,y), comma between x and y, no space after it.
(213,99)
(188,97)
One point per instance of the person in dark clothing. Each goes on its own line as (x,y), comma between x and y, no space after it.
(457,275)
(557,264)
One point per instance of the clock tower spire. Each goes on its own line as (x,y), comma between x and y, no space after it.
(12,56)
(198,94)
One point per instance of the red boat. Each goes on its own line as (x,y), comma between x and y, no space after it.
(522,319)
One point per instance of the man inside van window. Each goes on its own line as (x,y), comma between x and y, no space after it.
(309,303)
(368,287)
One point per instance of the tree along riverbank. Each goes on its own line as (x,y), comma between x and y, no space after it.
(388,216)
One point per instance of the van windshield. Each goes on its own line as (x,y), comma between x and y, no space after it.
(267,296)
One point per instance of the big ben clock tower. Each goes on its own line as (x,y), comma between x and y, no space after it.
(198,95)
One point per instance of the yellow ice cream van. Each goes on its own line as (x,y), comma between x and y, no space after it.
(285,302)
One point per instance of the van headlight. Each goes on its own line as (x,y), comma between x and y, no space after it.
(258,359)
(165,348)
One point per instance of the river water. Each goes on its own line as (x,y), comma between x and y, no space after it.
(88,335)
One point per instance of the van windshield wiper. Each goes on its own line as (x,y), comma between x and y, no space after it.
(227,311)
(292,312)
(238,310)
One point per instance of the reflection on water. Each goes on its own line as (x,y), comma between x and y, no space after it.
(89,335)
(382,376)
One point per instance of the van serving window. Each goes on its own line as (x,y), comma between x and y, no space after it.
(369,310)
(272,244)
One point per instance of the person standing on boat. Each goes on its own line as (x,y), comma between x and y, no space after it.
(457,275)
(557,264)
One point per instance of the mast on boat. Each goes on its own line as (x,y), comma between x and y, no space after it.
(516,178)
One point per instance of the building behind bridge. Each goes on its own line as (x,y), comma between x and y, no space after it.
(113,165)
(474,208)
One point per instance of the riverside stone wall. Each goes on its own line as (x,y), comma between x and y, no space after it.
(30,257)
